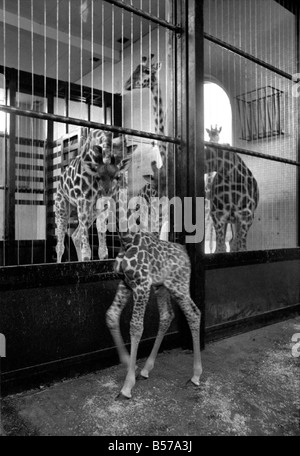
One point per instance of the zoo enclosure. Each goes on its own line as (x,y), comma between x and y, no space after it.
(47,108)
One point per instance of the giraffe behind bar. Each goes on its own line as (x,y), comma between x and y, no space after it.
(82,182)
(234,195)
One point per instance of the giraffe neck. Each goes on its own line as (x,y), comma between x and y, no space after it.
(96,138)
(158,112)
(87,145)
(123,221)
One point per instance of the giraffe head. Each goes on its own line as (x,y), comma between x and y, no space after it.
(214,133)
(113,179)
(95,165)
(144,76)
(111,176)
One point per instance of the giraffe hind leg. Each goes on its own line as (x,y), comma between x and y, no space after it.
(166,315)
(76,238)
(180,292)
(242,228)
(220,229)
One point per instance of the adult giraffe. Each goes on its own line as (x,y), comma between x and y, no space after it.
(81,183)
(234,195)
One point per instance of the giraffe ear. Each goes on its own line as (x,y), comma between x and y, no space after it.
(220,129)
(154,166)
(149,178)
(208,131)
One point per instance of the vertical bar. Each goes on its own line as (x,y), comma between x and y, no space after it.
(18,122)
(57,59)
(279,114)
(297,17)
(192,155)
(11,165)
(104,107)
(46,147)
(91,109)
(173,123)
(32,121)
(266,113)
(113,65)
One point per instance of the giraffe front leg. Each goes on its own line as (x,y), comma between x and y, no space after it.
(61,220)
(76,238)
(140,298)
(113,321)
(85,210)
(166,315)
(102,249)
(101,224)
(85,246)
(60,247)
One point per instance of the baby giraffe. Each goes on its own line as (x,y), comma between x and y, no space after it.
(145,262)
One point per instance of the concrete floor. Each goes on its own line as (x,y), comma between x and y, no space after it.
(250,386)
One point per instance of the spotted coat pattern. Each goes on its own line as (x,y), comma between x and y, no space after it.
(82,182)
(234,197)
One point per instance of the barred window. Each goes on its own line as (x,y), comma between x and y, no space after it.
(260,113)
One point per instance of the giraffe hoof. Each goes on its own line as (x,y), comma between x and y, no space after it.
(121,397)
(141,377)
(190,382)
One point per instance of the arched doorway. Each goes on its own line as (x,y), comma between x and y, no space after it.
(217,113)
